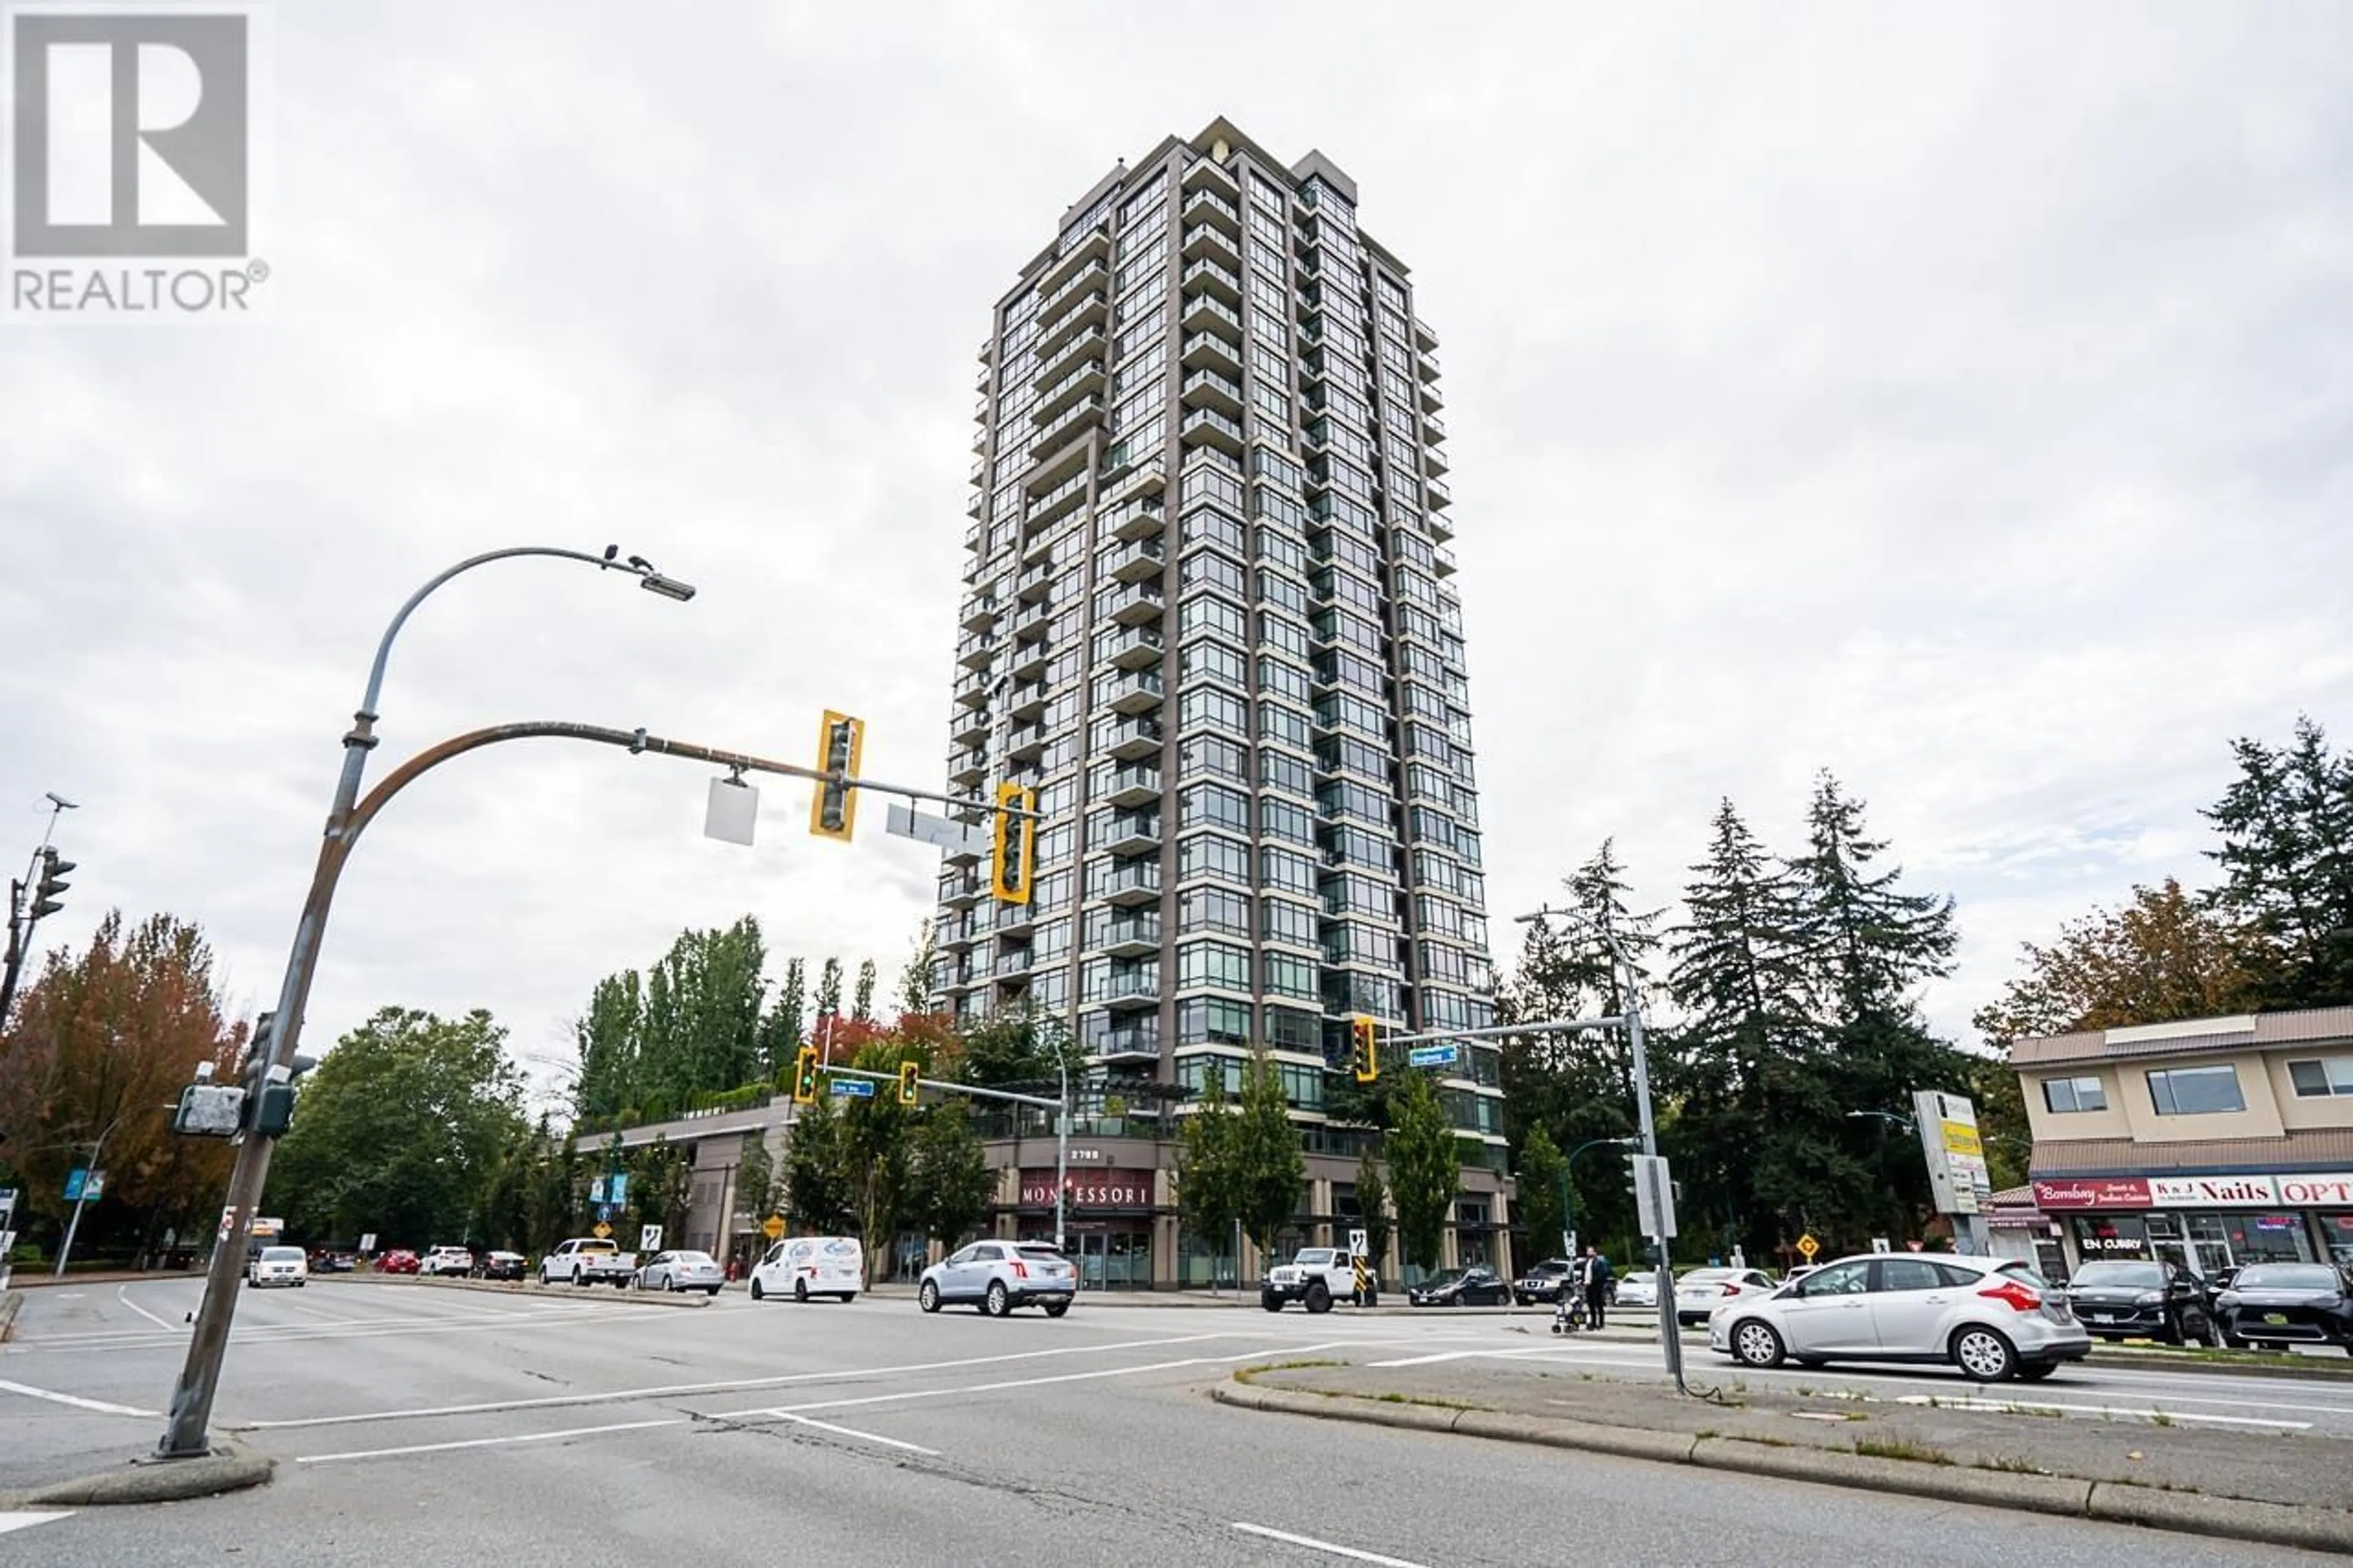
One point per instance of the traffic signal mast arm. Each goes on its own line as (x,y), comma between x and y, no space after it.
(893,1078)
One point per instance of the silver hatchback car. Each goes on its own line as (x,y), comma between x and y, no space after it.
(1994,1318)
(998,1276)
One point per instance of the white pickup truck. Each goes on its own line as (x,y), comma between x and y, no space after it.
(585,1260)
(1315,1277)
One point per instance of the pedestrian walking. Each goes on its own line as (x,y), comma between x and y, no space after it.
(1597,1285)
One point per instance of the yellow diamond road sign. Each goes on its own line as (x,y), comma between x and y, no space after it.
(773,1228)
(1808,1246)
(603,1230)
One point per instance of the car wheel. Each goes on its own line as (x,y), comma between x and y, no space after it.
(677,1287)
(1758,1344)
(1984,1355)
(1319,1300)
(759,1293)
(1271,1303)
(712,1292)
(2036,1371)
(846,1297)
(999,1302)
(1056,1309)
(800,1289)
(579,1278)
(928,1297)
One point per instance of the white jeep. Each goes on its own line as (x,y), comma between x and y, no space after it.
(1317,1277)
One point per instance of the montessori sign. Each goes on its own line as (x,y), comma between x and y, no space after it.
(1089,1190)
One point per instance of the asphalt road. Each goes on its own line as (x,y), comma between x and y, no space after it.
(415,1426)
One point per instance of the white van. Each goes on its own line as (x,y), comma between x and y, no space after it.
(805,1266)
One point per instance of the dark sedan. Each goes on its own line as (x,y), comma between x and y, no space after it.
(2278,1306)
(2119,1298)
(1460,1287)
(1543,1282)
(501,1265)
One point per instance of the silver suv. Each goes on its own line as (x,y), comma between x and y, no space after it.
(998,1276)
(1994,1318)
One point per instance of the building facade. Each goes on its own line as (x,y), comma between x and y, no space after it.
(2213,1142)
(1207,615)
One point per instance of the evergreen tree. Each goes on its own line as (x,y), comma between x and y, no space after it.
(1268,1169)
(1373,1204)
(1425,1170)
(786,1028)
(818,1187)
(1541,1179)
(1746,1038)
(609,1037)
(916,980)
(828,989)
(862,1003)
(1866,943)
(2286,823)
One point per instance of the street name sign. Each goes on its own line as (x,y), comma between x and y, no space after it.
(1433,1055)
(854,1087)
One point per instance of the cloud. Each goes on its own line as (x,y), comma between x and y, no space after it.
(1957,401)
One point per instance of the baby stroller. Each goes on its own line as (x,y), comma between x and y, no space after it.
(1568,1313)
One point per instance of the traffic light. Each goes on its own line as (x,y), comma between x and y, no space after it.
(839,741)
(1015,853)
(805,1077)
(909,1077)
(46,895)
(1365,1036)
(268,1107)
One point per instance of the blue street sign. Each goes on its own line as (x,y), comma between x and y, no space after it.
(596,1191)
(605,1211)
(74,1181)
(621,1189)
(854,1087)
(1433,1055)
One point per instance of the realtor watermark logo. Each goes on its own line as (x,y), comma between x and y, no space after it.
(132,163)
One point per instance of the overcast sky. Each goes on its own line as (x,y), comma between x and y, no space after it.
(1958,399)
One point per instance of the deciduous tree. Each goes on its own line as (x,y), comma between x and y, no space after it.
(1425,1171)
(1268,1169)
(2165,956)
(950,1181)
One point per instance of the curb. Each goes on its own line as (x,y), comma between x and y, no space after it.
(2192,1513)
(230,1466)
(10,1302)
(526,1288)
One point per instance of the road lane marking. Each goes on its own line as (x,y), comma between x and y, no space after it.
(76,1401)
(727,1387)
(1969,1404)
(297,1334)
(1311,1544)
(1467,1355)
(122,1294)
(9,1521)
(789,1412)
(488,1442)
(863,1436)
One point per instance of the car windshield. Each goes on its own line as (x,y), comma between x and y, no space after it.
(1043,1254)
(1443,1278)
(2139,1276)
(2286,1277)
(1710,1276)
(281,1255)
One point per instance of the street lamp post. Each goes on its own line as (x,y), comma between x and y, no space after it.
(186,1433)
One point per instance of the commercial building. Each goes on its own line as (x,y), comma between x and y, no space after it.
(1208,616)
(2212,1141)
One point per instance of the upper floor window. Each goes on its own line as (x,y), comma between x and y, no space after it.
(2064,1094)
(2318,1079)
(2195,1092)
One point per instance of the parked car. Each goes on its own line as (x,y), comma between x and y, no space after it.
(676,1271)
(326,1262)
(1474,1287)
(1636,1289)
(1543,1282)
(805,1266)
(278,1266)
(2129,1298)
(1993,1317)
(399,1260)
(440,1261)
(1700,1293)
(590,1260)
(1315,1277)
(2277,1306)
(998,1276)
(501,1265)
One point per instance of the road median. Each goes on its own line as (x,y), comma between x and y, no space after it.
(2231,1484)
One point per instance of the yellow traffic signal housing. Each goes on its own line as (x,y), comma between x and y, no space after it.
(805,1077)
(909,1085)
(1015,853)
(840,741)
(1364,1034)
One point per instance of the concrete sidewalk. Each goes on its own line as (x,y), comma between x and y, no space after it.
(2287,1489)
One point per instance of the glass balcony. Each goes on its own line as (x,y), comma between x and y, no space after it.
(980,612)
(972,687)
(1132,604)
(1030,660)
(1206,277)
(1131,936)
(1442,561)
(1203,313)
(1027,701)
(1207,426)
(1087,377)
(977,507)
(1024,741)
(1207,173)
(1032,620)
(1138,1041)
(962,892)
(1084,415)
(1011,963)
(1133,987)
(1137,783)
(1053,367)
(1087,249)
(967,769)
(1434,461)
(972,727)
(976,648)
(1133,884)
(1209,389)
(1134,692)
(1132,740)
(1131,833)
(1209,241)
(1439,496)
(1033,582)
(1207,206)
(1138,517)
(1015,920)
(1441,527)
(1091,279)
(1134,563)
(1206,350)
(1136,648)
